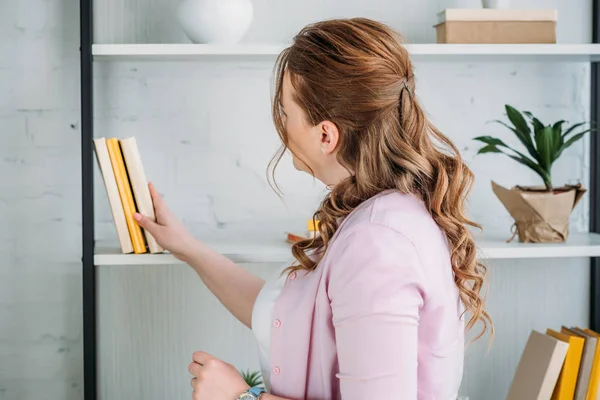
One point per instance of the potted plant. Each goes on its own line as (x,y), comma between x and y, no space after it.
(252,378)
(541,213)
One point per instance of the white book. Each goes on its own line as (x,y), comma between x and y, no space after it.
(112,191)
(498,14)
(538,369)
(139,186)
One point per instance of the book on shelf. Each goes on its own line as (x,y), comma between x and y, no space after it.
(311,232)
(559,365)
(493,26)
(538,368)
(592,392)
(127,189)
(139,186)
(565,386)
(587,360)
(114,200)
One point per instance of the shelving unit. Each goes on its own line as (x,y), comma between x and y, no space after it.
(578,245)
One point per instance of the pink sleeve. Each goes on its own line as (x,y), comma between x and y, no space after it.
(376,295)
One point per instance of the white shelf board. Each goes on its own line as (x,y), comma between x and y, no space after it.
(578,245)
(257,252)
(419,52)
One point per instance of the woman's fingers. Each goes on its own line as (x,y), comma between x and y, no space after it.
(194,369)
(194,382)
(146,223)
(168,231)
(201,357)
(157,199)
(163,215)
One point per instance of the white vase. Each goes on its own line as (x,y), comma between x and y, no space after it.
(495,3)
(215,21)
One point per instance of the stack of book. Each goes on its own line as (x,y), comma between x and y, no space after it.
(311,233)
(488,25)
(128,193)
(559,365)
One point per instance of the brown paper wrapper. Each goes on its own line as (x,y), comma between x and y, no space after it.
(540,216)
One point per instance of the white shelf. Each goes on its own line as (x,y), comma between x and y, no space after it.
(578,245)
(274,252)
(419,52)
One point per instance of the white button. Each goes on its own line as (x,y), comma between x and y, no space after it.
(277,323)
(276,370)
(293,275)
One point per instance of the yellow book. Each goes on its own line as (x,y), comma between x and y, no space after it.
(592,391)
(135,231)
(139,186)
(565,387)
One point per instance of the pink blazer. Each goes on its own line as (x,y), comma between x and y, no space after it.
(380,316)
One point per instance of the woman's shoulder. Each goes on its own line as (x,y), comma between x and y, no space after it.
(400,212)
(393,234)
(392,224)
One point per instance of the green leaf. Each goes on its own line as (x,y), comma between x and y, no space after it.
(544,141)
(558,125)
(571,129)
(252,379)
(490,140)
(518,156)
(572,140)
(527,142)
(537,124)
(489,149)
(492,143)
(517,120)
(558,138)
(535,167)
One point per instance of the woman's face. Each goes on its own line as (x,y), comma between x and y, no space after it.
(313,147)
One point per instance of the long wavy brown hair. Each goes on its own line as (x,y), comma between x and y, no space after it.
(357,74)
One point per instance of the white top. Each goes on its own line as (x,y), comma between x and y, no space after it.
(262,319)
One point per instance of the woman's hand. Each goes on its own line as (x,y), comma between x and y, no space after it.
(168,231)
(214,379)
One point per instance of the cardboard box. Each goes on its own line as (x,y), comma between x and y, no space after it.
(495,26)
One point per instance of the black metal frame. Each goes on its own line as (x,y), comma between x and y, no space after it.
(595,172)
(87,202)
(87,197)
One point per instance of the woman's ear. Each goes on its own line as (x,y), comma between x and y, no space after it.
(330,136)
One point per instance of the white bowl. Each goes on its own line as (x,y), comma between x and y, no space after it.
(495,3)
(215,21)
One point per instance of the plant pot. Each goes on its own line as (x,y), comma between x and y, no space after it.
(495,3)
(540,216)
(215,21)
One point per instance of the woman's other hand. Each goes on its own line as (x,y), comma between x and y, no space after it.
(168,231)
(214,379)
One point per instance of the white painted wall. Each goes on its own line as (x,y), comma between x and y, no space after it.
(205,134)
(40,223)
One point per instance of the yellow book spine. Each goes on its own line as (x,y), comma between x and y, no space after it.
(567,380)
(592,391)
(116,159)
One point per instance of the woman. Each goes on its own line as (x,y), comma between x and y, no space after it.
(374,306)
